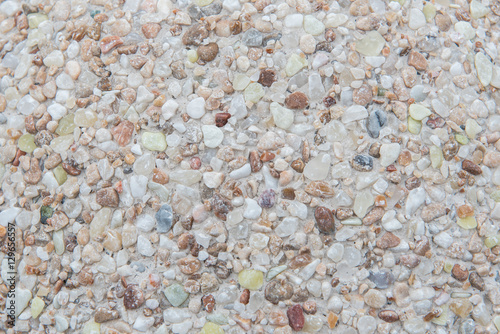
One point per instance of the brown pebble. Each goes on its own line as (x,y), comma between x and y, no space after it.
(412,183)
(298,165)
(433,211)
(319,189)
(133,297)
(195,35)
(160,176)
(103,315)
(300,261)
(374,215)
(34,174)
(309,307)
(443,22)
(362,95)
(296,100)
(324,220)
(460,272)
(267,77)
(278,290)
(255,162)
(188,265)
(208,52)
(388,316)
(343,213)
(476,281)
(221,119)
(417,60)
(70,168)
(422,246)
(471,167)
(150,30)
(465,210)
(245,297)
(409,260)
(107,197)
(208,302)
(388,240)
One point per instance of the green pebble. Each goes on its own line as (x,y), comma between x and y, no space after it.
(66,125)
(26,143)
(37,305)
(461,139)
(495,196)
(45,213)
(211,328)
(414,126)
(218,318)
(254,92)
(154,141)
(176,295)
(60,174)
(35,19)
(251,279)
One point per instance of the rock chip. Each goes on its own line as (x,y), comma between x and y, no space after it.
(324,220)
(296,317)
(107,197)
(208,52)
(388,240)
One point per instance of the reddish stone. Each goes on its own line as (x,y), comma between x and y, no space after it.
(267,77)
(150,30)
(123,132)
(109,42)
(221,119)
(296,318)
(297,100)
(324,220)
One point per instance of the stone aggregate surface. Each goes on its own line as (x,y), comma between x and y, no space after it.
(264,166)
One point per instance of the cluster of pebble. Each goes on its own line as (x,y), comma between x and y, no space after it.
(230,166)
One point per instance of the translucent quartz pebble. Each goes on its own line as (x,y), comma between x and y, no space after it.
(100,223)
(251,279)
(85,118)
(240,81)
(417,19)
(366,324)
(186,177)
(495,77)
(362,202)
(415,199)
(335,20)
(478,10)
(317,169)
(62,144)
(371,44)
(254,92)
(354,113)
(295,64)
(466,29)
(484,68)
(154,141)
(212,135)
(275,271)
(389,153)
(91,327)
(313,26)
(26,143)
